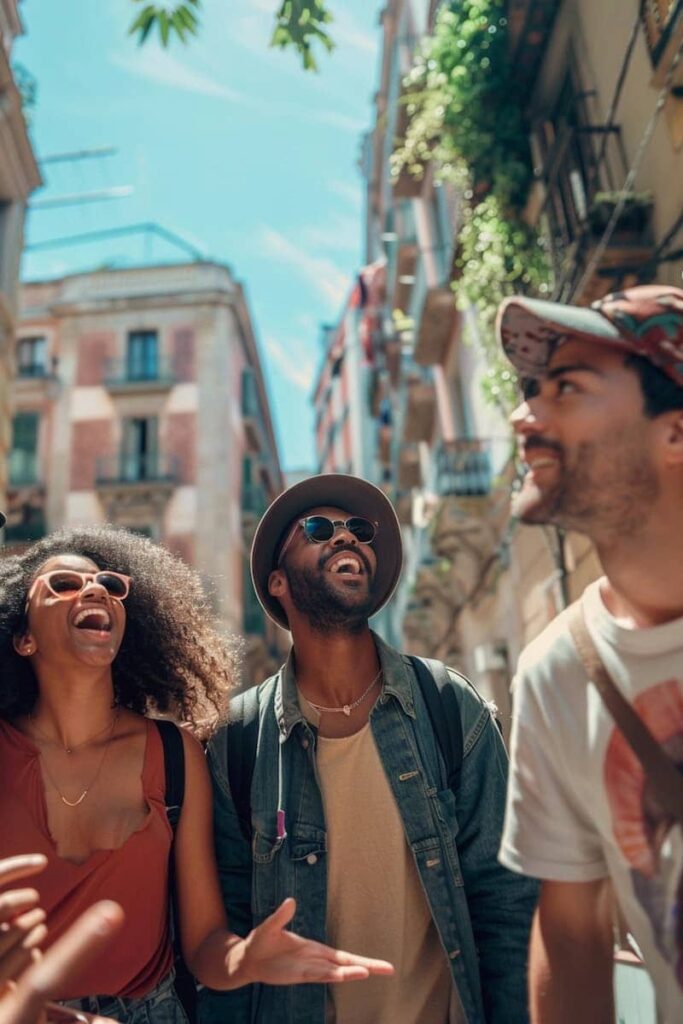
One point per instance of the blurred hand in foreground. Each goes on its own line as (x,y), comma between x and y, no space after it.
(29,979)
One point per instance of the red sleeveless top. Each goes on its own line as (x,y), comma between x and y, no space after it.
(135,874)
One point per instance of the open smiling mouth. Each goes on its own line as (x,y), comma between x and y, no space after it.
(93,619)
(347,565)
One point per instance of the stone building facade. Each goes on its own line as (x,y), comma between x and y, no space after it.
(19,176)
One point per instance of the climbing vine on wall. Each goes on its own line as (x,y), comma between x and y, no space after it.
(465,117)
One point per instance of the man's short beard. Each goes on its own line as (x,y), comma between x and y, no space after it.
(324,607)
(605,494)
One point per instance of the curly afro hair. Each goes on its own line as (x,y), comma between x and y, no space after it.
(172,659)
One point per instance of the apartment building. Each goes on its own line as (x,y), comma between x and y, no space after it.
(602,120)
(601,92)
(19,176)
(139,400)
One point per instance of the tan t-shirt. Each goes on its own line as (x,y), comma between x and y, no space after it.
(375,902)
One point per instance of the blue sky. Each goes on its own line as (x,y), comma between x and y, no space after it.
(226,142)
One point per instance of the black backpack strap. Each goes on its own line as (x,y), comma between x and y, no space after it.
(174,767)
(439,695)
(242,739)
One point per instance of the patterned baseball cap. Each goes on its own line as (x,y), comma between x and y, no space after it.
(647,320)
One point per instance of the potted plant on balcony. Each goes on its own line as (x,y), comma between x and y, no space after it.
(634,219)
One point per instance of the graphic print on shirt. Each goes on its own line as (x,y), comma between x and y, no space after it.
(649,841)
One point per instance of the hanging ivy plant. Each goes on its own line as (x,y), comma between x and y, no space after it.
(465,118)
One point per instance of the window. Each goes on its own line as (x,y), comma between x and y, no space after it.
(23,462)
(32,357)
(142,355)
(140,455)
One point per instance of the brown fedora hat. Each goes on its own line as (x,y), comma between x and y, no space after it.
(353,495)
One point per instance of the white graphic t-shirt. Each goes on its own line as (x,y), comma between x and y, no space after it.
(579,807)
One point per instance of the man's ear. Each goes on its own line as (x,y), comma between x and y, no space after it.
(24,645)
(673,438)
(277,583)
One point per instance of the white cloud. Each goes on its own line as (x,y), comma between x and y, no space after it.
(321,272)
(157,65)
(293,363)
(352,193)
(345,32)
(335,120)
(339,233)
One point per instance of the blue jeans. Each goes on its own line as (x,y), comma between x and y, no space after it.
(160,1006)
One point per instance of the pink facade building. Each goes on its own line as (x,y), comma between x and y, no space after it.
(139,400)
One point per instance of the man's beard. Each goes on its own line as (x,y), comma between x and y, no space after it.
(328,610)
(605,492)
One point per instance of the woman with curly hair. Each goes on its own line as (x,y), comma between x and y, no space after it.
(101,631)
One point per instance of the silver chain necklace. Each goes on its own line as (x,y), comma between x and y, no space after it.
(346,709)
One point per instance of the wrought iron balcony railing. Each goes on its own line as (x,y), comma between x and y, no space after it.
(469,467)
(137,468)
(132,373)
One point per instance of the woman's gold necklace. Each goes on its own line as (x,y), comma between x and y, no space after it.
(81,798)
(74,746)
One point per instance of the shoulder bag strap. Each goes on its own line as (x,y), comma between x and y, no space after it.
(660,770)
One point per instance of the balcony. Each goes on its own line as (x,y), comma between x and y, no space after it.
(473,480)
(37,381)
(26,521)
(127,376)
(251,412)
(420,415)
(409,469)
(463,468)
(437,326)
(134,488)
(580,168)
(137,469)
(392,351)
(406,255)
(406,185)
(254,504)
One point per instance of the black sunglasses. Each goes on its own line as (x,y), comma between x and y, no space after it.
(319,529)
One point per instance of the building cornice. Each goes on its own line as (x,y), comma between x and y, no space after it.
(19,173)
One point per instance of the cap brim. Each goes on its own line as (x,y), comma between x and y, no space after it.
(530,330)
(353,495)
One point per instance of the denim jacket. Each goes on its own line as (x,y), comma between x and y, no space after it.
(481,910)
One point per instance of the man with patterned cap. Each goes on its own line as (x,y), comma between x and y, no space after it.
(332,786)
(595,801)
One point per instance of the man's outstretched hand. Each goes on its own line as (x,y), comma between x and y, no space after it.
(275,956)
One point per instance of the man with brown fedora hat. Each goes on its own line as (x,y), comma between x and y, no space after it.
(368,785)
(596,793)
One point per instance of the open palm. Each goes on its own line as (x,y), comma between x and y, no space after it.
(279,957)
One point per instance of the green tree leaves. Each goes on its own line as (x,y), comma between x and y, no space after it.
(299,24)
(179,19)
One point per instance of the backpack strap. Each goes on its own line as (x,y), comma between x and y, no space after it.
(439,695)
(174,767)
(663,775)
(242,739)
